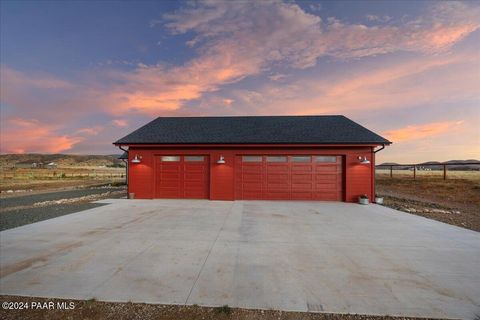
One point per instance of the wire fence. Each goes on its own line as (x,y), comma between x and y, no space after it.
(429,169)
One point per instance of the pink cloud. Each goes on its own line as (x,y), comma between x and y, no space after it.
(228,102)
(262,34)
(272,31)
(121,123)
(29,135)
(393,84)
(33,93)
(416,132)
(39,80)
(235,40)
(93,131)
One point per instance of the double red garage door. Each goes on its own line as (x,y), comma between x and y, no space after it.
(306,177)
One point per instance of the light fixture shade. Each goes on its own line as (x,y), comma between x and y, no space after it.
(136,159)
(221,160)
(364,160)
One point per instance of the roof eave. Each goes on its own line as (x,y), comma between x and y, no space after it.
(371,143)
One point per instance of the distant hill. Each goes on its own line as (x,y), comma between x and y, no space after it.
(62,160)
(437,165)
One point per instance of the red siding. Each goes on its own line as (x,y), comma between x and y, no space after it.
(140,176)
(357,178)
(222,175)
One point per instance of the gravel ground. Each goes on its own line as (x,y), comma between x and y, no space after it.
(92,309)
(465,219)
(17,218)
(453,201)
(22,210)
(56,195)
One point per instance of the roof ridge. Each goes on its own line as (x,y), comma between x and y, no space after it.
(260,116)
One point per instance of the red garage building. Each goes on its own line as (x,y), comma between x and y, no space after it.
(274,157)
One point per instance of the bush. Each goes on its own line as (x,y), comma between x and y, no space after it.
(224,309)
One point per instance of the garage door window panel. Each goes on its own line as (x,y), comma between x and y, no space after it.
(251,158)
(276,159)
(194,158)
(301,159)
(170,158)
(325,159)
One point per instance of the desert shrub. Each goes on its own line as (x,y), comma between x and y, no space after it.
(225,309)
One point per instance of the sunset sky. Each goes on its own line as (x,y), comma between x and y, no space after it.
(76,76)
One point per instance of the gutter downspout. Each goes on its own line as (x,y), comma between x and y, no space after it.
(126,166)
(373,170)
(383,147)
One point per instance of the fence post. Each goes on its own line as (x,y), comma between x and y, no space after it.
(444,172)
(391,171)
(414,172)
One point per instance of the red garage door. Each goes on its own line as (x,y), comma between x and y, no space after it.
(306,177)
(179,177)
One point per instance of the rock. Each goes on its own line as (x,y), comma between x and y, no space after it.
(9,191)
(440,211)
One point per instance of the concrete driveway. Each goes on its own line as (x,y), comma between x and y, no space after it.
(301,256)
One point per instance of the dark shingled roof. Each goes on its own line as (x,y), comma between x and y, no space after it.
(253,130)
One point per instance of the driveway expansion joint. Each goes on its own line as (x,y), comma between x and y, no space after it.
(209,251)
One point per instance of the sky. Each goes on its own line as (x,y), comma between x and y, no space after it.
(76,76)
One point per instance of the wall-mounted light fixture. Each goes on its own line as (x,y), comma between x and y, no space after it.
(221,160)
(137,159)
(363,160)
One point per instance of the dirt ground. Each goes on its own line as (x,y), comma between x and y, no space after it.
(455,201)
(96,310)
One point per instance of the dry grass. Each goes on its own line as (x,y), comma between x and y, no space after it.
(44,179)
(455,200)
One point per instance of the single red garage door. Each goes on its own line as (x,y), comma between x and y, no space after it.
(178,177)
(305,177)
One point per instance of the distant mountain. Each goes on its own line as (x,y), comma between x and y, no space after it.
(463,161)
(388,164)
(62,160)
(464,167)
(429,163)
(437,165)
